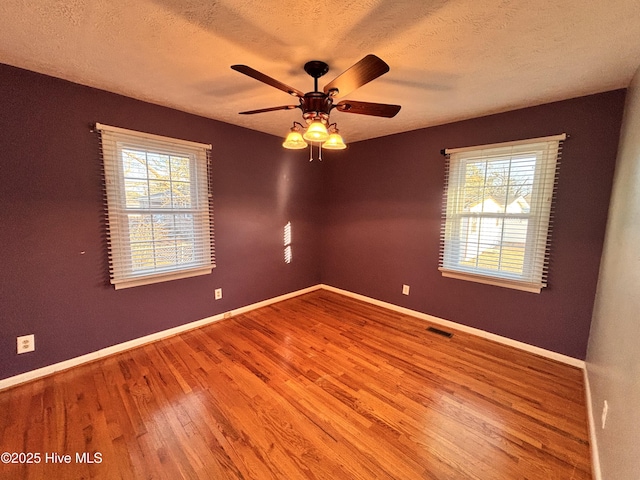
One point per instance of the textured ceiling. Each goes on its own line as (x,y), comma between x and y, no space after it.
(449,60)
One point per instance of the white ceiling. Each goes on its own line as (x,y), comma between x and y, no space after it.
(449,59)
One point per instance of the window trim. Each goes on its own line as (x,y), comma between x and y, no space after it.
(533,278)
(118,139)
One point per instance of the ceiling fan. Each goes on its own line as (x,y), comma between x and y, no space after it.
(317,105)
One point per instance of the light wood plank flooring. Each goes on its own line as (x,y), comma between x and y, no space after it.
(317,387)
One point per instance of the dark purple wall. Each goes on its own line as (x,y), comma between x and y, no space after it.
(382,222)
(366,220)
(50,193)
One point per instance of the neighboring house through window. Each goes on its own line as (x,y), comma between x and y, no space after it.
(158,207)
(497,212)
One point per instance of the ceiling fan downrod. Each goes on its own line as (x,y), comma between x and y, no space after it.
(316,69)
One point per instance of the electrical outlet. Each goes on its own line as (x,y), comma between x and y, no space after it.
(218,293)
(405,289)
(26,343)
(605,412)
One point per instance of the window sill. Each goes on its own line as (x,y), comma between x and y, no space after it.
(165,277)
(498,282)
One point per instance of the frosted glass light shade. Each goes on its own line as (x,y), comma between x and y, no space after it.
(334,142)
(316,132)
(294,141)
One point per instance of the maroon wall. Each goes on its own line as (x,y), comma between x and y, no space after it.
(50,192)
(382,222)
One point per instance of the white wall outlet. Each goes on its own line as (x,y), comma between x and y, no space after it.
(26,343)
(605,412)
(218,293)
(405,289)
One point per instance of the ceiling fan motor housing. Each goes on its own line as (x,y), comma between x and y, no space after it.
(316,106)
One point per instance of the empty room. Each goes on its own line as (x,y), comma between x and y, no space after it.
(319,240)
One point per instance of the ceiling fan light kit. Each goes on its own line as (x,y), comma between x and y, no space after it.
(316,132)
(334,142)
(294,140)
(316,106)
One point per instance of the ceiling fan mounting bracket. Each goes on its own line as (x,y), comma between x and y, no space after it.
(316,68)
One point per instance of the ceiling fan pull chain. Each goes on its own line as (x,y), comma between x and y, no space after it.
(320,152)
(311,151)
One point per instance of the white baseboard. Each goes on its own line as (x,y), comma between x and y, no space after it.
(40,372)
(89,357)
(591,420)
(463,328)
(73,362)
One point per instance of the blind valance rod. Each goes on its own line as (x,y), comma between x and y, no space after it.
(448,151)
(174,141)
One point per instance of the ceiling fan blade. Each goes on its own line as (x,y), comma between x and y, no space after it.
(367,108)
(261,77)
(367,69)
(270,109)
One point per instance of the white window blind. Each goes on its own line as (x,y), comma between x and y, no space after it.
(158,207)
(498,212)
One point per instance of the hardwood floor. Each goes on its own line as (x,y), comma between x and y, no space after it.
(317,387)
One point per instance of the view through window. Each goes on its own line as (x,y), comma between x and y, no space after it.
(159,201)
(498,213)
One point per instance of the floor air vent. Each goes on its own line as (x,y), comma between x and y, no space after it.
(440,332)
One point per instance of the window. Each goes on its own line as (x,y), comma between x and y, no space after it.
(497,212)
(158,207)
